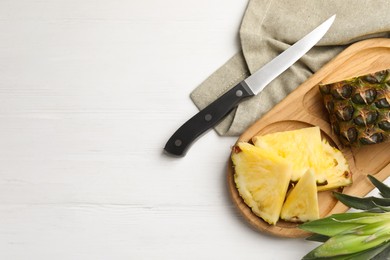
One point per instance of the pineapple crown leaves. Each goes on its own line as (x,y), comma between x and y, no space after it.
(374,204)
(383,188)
(380,252)
(353,242)
(354,235)
(343,223)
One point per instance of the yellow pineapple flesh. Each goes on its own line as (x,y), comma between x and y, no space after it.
(301,204)
(336,169)
(305,150)
(262,179)
(264,170)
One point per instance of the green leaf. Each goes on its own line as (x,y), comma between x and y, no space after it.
(341,222)
(383,188)
(383,208)
(364,217)
(381,252)
(362,203)
(368,254)
(384,254)
(317,238)
(345,244)
(327,226)
(381,226)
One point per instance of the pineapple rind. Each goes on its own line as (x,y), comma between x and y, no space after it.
(359,108)
(262,180)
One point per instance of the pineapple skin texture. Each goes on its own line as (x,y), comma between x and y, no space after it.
(262,180)
(359,108)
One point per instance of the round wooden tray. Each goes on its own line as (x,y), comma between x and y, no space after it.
(303,108)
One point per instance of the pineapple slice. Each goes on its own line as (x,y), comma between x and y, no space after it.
(262,180)
(305,150)
(301,204)
(335,168)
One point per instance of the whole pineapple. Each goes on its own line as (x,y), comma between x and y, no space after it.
(359,108)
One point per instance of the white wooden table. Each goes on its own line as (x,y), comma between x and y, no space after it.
(89,93)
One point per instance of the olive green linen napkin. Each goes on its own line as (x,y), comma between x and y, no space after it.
(268,28)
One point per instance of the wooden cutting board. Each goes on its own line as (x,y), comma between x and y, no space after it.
(304,108)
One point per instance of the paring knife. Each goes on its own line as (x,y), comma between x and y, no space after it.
(209,116)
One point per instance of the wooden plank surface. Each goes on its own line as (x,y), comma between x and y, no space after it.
(89,93)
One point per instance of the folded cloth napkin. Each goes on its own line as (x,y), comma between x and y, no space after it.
(271,26)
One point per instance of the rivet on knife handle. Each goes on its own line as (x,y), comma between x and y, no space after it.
(207,118)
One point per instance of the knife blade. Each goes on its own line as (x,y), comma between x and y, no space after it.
(180,141)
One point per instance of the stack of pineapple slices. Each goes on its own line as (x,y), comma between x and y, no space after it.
(279,176)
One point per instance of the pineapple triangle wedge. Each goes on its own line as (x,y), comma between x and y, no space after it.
(305,150)
(301,204)
(262,179)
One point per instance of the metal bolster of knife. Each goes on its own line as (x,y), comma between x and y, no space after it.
(207,118)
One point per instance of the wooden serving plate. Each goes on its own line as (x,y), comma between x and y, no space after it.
(304,108)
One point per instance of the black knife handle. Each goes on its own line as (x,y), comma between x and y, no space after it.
(208,117)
